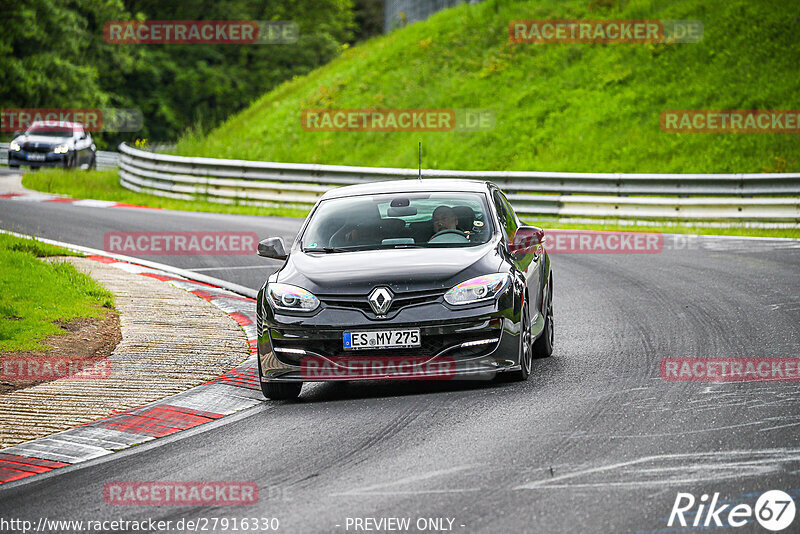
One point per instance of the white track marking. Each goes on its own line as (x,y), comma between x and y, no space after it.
(696,467)
(408,480)
(780,426)
(88,203)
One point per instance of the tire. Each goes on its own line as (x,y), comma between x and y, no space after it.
(281,391)
(93,164)
(543,346)
(13,166)
(525,349)
(278,390)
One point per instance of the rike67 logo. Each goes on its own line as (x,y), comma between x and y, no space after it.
(774,510)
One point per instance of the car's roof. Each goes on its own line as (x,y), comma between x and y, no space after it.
(59,124)
(408,185)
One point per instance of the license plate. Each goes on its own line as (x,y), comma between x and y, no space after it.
(382,339)
(36,157)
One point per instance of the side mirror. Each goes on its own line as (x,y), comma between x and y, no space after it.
(526,240)
(272,247)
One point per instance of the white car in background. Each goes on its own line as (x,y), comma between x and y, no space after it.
(53,144)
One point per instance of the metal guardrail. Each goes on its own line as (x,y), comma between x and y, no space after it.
(741,197)
(105,160)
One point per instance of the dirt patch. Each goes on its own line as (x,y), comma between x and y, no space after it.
(84,338)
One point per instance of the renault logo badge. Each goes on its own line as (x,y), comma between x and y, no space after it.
(380,299)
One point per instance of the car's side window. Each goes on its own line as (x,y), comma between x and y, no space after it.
(511,215)
(508,218)
(498,206)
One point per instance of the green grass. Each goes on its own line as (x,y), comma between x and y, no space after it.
(34,294)
(559,107)
(34,247)
(104,185)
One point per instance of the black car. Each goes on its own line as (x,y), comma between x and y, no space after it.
(53,144)
(423,279)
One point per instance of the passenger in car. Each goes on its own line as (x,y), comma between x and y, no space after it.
(444,218)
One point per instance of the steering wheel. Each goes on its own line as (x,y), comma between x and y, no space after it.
(448,231)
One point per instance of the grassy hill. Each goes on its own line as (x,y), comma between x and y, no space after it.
(559,107)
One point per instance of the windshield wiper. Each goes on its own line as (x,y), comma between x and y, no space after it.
(329,250)
(332,250)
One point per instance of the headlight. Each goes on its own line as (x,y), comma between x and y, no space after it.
(291,298)
(61,149)
(477,289)
(14,146)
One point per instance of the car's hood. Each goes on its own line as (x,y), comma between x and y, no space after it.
(413,269)
(44,140)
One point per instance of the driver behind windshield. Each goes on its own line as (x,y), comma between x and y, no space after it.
(444,218)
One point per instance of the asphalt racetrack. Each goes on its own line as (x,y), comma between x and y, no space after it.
(595,441)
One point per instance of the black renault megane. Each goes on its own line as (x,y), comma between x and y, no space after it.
(423,279)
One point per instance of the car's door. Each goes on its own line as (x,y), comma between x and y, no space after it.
(528,260)
(90,149)
(81,148)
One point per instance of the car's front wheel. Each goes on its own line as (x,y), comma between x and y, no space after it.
(281,391)
(525,351)
(543,346)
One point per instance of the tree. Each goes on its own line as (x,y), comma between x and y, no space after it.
(53,54)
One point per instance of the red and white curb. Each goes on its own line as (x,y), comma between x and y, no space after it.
(35,196)
(236,390)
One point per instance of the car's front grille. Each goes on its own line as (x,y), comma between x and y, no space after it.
(35,147)
(478,342)
(399,301)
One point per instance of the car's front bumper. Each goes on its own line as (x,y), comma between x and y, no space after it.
(51,159)
(465,343)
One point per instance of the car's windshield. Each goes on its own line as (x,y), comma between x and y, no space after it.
(51,131)
(398,220)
